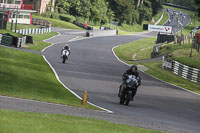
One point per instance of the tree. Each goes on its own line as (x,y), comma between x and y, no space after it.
(145,11)
(138,4)
(63,6)
(104,11)
(98,10)
(157,5)
(85,9)
(197,3)
(124,10)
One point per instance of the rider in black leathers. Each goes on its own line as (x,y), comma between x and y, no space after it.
(66,47)
(131,71)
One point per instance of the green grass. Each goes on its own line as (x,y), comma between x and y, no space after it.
(165,75)
(23,122)
(157,16)
(21,26)
(10,32)
(59,23)
(164,19)
(38,43)
(27,75)
(131,28)
(141,49)
(125,33)
(181,53)
(144,47)
(125,29)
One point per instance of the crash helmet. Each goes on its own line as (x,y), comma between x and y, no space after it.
(134,68)
(66,46)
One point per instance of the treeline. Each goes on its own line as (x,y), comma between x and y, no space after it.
(105,11)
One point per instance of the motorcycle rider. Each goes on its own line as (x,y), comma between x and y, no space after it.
(66,47)
(131,71)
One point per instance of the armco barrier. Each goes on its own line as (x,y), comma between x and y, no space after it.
(21,42)
(9,40)
(45,23)
(0,38)
(184,71)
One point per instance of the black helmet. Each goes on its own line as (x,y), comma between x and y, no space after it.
(134,68)
(66,47)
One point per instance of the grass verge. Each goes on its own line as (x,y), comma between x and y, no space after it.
(27,75)
(181,53)
(23,122)
(157,16)
(59,23)
(38,43)
(137,50)
(164,19)
(144,47)
(21,26)
(11,33)
(156,70)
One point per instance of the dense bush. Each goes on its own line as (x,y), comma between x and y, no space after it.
(55,16)
(46,14)
(67,18)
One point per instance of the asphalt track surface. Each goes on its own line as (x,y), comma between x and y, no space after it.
(177,24)
(92,66)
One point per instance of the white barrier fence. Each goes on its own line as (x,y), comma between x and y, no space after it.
(33,31)
(184,71)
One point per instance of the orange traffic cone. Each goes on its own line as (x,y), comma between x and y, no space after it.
(84,100)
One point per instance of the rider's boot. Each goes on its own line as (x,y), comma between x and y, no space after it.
(119,90)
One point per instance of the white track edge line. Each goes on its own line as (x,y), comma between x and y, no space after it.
(153,76)
(64,85)
(70,89)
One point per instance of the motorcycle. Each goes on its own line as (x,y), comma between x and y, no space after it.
(127,89)
(65,55)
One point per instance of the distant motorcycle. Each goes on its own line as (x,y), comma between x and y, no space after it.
(127,88)
(65,55)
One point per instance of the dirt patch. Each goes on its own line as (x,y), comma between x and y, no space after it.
(142,68)
(134,56)
(25,46)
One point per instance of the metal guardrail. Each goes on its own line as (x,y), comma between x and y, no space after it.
(45,23)
(181,70)
(186,72)
(6,40)
(9,40)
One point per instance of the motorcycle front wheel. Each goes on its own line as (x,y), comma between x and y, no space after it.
(122,96)
(64,59)
(126,102)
